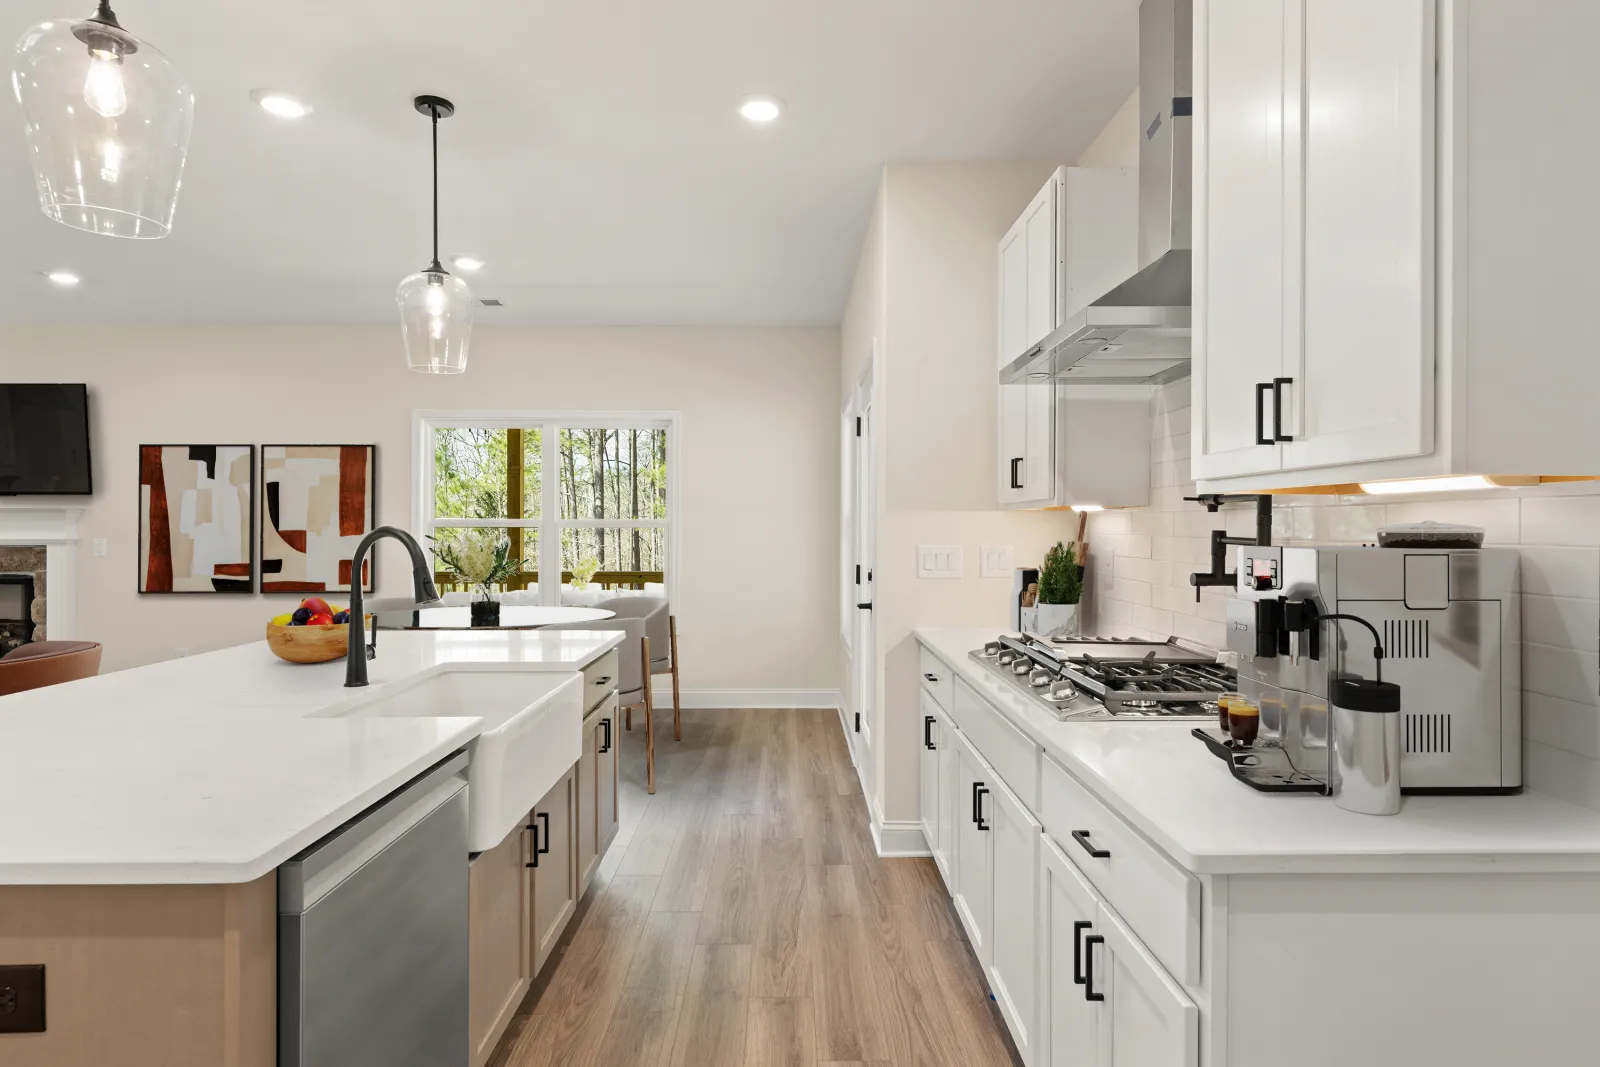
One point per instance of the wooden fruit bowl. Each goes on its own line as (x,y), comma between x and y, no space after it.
(309,644)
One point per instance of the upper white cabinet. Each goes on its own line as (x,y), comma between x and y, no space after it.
(1377,293)
(1076,239)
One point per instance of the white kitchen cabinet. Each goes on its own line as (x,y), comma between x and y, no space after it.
(928,780)
(1014,930)
(1376,296)
(949,797)
(974,861)
(1075,240)
(1068,1021)
(1146,1018)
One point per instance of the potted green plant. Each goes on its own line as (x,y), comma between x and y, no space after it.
(480,559)
(1060,591)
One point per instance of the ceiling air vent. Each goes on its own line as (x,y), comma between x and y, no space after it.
(491,303)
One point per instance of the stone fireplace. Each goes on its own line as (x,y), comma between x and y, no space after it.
(22,595)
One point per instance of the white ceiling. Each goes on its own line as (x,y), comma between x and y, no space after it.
(596,161)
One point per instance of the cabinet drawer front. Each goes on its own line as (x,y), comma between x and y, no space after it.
(936,678)
(599,681)
(1008,750)
(1159,899)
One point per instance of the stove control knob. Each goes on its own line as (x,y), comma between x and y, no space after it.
(1039,679)
(1007,658)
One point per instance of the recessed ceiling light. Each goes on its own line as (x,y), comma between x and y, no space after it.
(280,104)
(64,278)
(761,109)
(470,264)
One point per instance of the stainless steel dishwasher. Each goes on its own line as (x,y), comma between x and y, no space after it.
(372,934)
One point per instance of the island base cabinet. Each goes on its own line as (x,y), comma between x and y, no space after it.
(147,975)
(500,915)
(597,791)
(607,821)
(553,864)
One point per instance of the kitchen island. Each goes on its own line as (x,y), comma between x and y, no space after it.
(1129,900)
(151,809)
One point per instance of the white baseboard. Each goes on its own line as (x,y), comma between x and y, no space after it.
(744,698)
(898,840)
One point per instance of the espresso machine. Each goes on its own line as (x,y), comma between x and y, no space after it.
(1448,622)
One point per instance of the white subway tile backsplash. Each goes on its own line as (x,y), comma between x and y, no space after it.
(1192,629)
(1136,546)
(1561,724)
(1170,598)
(1570,572)
(1153,619)
(1561,622)
(1561,520)
(1500,517)
(1561,672)
(1563,774)
(1134,593)
(1140,570)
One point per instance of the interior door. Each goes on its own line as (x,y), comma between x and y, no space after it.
(1148,1020)
(1245,273)
(1364,390)
(865,651)
(1013,967)
(1068,909)
(973,859)
(928,779)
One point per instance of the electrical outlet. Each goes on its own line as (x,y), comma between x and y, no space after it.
(939,561)
(100,547)
(181,651)
(22,999)
(995,561)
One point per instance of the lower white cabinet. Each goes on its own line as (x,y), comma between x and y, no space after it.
(1106,1000)
(596,790)
(1014,842)
(973,881)
(937,783)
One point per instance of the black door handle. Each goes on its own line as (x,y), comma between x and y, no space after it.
(1262,389)
(975,787)
(934,678)
(1016,473)
(865,607)
(1082,838)
(535,828)
(1088,967)
(1277,408)
(927,733)
(977,804)
(1077,950)
(545,815)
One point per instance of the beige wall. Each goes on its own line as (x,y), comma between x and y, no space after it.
(757,595)
(1118,144)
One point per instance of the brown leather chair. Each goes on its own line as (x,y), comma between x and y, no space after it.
(46,663)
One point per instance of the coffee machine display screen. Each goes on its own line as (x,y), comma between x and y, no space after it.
(1264,573)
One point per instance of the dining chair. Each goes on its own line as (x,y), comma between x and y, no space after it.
(633,681)
(43,663)
(661,626)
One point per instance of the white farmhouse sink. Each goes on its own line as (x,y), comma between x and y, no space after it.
(532,735)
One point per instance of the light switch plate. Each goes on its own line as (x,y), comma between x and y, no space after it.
(939,561)
(100,547)
(996,561)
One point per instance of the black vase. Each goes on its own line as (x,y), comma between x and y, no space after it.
(486,613)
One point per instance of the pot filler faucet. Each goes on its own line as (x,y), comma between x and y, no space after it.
(355,660)
(1220,540)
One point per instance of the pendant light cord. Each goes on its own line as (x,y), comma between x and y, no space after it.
(434,111)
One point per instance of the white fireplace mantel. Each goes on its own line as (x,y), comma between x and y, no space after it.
(57,530)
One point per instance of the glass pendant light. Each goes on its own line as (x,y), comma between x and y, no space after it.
(107,119)
(435,307)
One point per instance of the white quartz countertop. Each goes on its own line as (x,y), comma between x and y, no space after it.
(1168,785)
(217,768)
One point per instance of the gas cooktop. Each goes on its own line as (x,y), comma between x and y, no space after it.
(1107,678)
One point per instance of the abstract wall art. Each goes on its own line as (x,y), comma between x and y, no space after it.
(319,504)
(196,516)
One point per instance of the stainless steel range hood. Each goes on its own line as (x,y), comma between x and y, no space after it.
(1139,331)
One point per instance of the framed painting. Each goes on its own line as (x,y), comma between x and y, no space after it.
(320,502)
(196,518)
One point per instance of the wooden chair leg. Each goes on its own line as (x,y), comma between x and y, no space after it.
(627,717)
(649,718)
(677,704)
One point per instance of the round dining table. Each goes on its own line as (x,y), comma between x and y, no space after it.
(512,617)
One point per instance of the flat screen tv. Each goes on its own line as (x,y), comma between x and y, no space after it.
(44,440)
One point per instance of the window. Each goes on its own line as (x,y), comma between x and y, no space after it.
(567,490)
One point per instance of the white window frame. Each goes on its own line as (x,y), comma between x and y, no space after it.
(425,421)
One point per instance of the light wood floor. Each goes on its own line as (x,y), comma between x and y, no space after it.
(743,919)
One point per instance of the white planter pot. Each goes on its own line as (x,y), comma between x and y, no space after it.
(1057,620)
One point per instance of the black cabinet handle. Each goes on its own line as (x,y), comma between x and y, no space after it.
(1088,967)
(1077,950)
(604,679)
(1082,838)
(976,786)
(927,733)
(865,607)
(605,742)
(1016,473)
(535,828)
(934,678)
(977,803)
(545,815)
(1277,408)
(1262,389)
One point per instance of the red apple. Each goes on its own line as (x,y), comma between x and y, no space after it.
(317,605)
(321,618)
